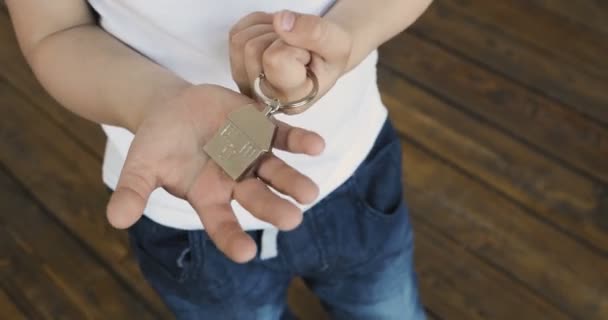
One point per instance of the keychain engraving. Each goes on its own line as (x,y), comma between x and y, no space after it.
(246,137)
(248,134)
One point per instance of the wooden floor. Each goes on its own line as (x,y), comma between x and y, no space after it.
(503,111)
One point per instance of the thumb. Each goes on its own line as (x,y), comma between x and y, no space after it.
(313,33)
(129,199)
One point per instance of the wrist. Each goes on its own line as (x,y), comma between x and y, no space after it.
(358,43)
(159,99)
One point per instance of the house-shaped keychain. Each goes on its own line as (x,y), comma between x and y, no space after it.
(246,136)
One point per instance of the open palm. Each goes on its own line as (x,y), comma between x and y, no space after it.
(167,152)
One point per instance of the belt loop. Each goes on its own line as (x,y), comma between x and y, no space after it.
(269,246)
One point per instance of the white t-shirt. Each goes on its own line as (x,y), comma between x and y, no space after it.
(190,38)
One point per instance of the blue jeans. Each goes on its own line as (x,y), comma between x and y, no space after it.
(353,249)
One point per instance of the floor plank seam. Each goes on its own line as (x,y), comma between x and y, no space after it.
(494,125)
(511,276)
(568,18)
(24,95)
(432,313)
(498,268)
(82,244)
(531,46)
(585,243)
(456,53)
(18,301)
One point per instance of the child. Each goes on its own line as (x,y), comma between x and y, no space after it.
(162,76)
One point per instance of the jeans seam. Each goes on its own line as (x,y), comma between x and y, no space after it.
(319,245)
(197,251)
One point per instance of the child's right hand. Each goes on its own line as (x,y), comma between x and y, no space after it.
(167,152)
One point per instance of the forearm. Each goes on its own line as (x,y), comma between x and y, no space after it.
(371,23)
(98,77)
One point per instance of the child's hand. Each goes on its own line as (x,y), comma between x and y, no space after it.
(282,46)
(167,151)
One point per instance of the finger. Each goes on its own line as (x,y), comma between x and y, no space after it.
(128,201)
(297,140)
(254,50)
(255,196)
(285,179)
(285,69)
(250,20)
(227,234)
(313,33)
(237,53)
(210,197)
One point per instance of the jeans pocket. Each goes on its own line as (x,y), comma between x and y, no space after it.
(163,251)
(377,183)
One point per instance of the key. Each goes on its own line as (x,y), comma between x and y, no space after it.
(248,134)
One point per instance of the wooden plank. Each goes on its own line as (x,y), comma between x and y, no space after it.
(456,285)
(67,181)
(536,27)
(536,68)
(303,303)
(478,217)
(505,236)
(548,125)
(430,315)
(15,71)
(45,251)
(33,288)
(557,195)
(592,13)
(8,310)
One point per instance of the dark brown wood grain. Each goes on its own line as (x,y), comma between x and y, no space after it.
(8,309)
(44,258)
(571,43)
(458,285)
(547,124)
(592,13)
(43,298)
(556,194)
(468,34)
(500,233)
(303,303)
(66,180)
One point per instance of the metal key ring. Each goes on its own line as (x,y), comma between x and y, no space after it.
(291,107)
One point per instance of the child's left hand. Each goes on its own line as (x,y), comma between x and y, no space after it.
(283,45)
